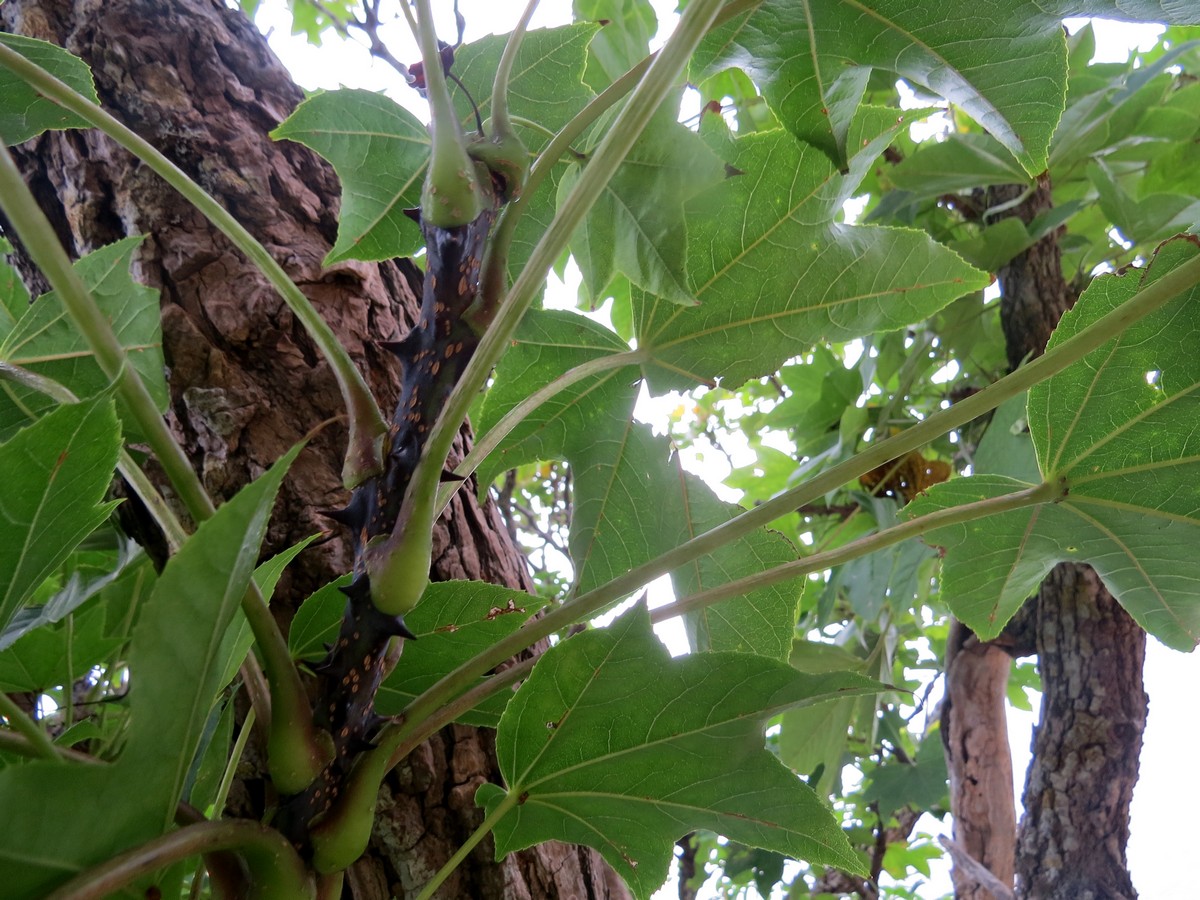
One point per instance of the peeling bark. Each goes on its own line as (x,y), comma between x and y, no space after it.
(198,81)
(979,762)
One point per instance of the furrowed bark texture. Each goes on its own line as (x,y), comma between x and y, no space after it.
(198,81)
(1071,841)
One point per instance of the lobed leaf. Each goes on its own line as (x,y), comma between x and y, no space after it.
(380,151)
(455,621)
(774,272)
(1003,62)
(637,225)
(1116,430)
(631,501)
(614,745)
(24,113)
(46,341)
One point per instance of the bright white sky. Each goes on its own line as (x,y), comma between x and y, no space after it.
(1160,838)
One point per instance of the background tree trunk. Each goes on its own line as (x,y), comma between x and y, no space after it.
(1072,838)
(198,81)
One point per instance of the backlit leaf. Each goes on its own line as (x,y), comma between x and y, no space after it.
(1116,429)
(774,272)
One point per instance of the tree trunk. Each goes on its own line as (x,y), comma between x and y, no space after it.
(1086,746)
(1071,842)
(198,81)
(979,762)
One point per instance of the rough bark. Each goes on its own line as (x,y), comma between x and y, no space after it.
(1071,841)
(1086,746)
(198,81)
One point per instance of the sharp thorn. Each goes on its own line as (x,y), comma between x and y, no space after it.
(359,589)
(405,348)
(358,744)
(397,627)
(344,516)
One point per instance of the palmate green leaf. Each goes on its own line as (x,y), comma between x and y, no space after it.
(46,341)
(631,502)
(455,621)
(774,273)
(56,473)
(622,42)
(1003,62)
(379,151)
(920,784)
(614,745)
(959,163)
(637,225)
(547,344)
(1116,429)
(1143,219)
(51,836)
(24,113)
(761,621)
(546,85)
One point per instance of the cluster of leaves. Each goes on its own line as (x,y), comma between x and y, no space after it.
(733,273)
(1120,177)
